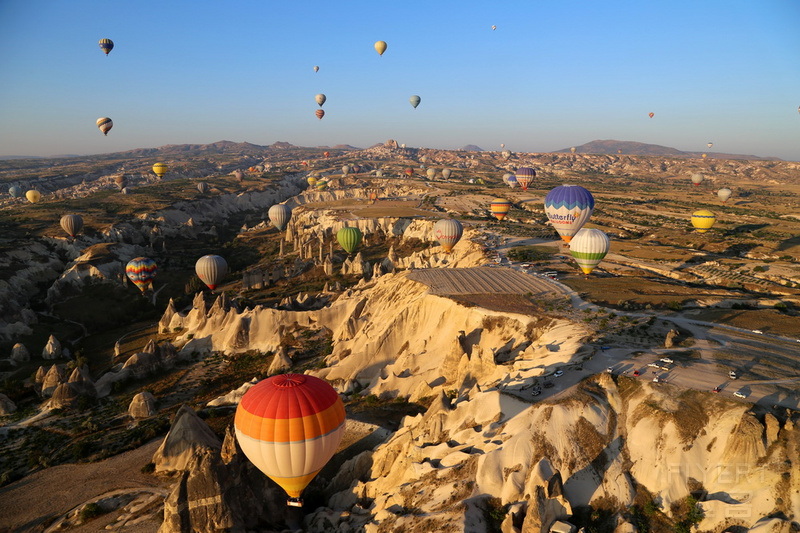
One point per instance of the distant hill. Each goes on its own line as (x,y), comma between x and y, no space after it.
(344,147)
(611,146)
(471,148)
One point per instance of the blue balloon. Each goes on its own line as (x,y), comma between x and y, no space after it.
(568,207)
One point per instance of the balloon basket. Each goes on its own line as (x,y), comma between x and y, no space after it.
(294,502)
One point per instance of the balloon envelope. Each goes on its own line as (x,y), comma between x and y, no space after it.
(448,232)
(702,220)
(106,45)
(724,194)
(320,98)
(697,178)
(345,169)
(651,115)
(446,172)
(524,177)
(568,207)
(160,169)
(33,196)
(202,187)
(500,208)
(141,272)
(279,215)
(211,270)
(316,69)
(589,247)
(289,426)
(15,191)
(415,100)
(380,47)
(72,224)
(239,175)
(349,239)
(431,173)
(320,113)
(105,124)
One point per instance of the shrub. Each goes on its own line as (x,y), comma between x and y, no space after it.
(89,511)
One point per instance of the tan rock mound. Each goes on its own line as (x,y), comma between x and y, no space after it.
(187,435)
(65,396)
(143,405)
(19,353)
(52,349)
(6,405)
(54,377)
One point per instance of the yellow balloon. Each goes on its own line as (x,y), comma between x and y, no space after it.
(33,196)
(160,169)
(380,47)
(702,220)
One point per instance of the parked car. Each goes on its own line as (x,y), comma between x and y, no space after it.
(740,394)
(558,373)
(656,379)
(758,331)
(653,365)
(536,392)
(667,360)
(636,372)
(610,370)
(732,374)
(716,389)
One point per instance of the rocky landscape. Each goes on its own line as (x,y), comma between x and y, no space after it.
(459,418)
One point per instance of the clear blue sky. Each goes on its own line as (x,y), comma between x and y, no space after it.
(552,75)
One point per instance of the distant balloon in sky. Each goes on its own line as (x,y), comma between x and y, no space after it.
(106,45)
(105,124)
(500,208)
(409,172)
(431,173)
(702,220)
(311,180)
(316,69)
(423,159)
(494,27)
(568,207)
(448,232)
(345,170)
(72,224)
(211,270)
(572,149)
(202,187)
(320,98)
(710,145)
(121,180)
(512,180)
(349,239)
(33,196)
(326,154)
(380,47)
(651,114)
(320,113)
(502,145)
(239,175)
(356,169)
(15,191)
(589,247)
(704,156)
(279,215)
(697,178)
(724,194)
(321,185)
(524,177)
(506,154)
(160,169)
(446,172)
(141,272)
(415,100)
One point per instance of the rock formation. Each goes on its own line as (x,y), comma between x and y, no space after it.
(6,405)
(143,405)
(187,435)
(19,354)
(52,349)
(54,377)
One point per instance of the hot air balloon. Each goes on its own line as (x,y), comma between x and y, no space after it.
(72,224)
(349,239)
(321,185)
(651,114)
(710,145)
(121,180)
(326,154)
(502,145)
(15,191)
(448,232)
(160,169)
(702,220)
(141,272)
(279,215)
(500,208)
(415,100)
(423,159)
(506,154)
(446,172)
(524,177)
(33,196)
(379,173)
(239,175)
(589,247)
(568,207)
(320,98)
(356,169)
(512,181)
(619,151)
(431,173)
(316,69)
(289,426)
(211,270)
(380,47)
(697,178)
(311,180)
(202,187)
(409,172)
(494,27)
(572,149)
(345,170)
(724,194)
(106,45)
(105,124)
(320,113)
